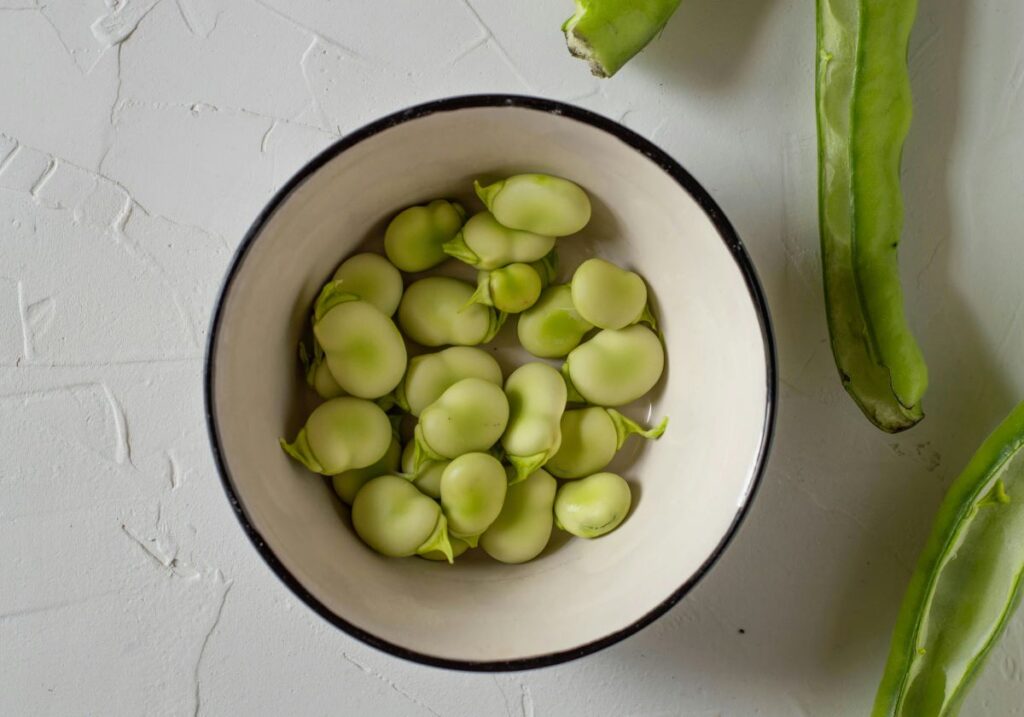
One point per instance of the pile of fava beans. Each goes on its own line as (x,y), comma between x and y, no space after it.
(482,450)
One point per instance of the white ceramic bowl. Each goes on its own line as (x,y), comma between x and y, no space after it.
(691,488)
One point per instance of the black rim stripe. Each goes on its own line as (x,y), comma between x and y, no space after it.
(670,167)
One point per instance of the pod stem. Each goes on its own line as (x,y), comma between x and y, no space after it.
(300,450)
(525,465)
(438,540)
(458,248)
(470,540)
(497,321)
(648,317)
(572,395)
(482,295)
(626,427)
(488,193)
(421,452)
(330,296)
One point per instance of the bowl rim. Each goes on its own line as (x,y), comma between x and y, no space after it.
(686,182)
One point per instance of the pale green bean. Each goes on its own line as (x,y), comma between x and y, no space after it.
(341,434)
(537,203)
(523,527)
(430,375)
(428,477)
(372,278)
(396,520)
(318,376)
(347,484)
(469,417)
(593,506)
(486,244)
(616,366)
(433,312)
(590,438)
(413,240)
(472,492)
(552,327)
(607,296)
(512,289)
(536,398)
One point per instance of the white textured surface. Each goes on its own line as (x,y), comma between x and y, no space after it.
(140,137)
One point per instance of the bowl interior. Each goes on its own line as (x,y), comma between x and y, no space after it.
(688,487)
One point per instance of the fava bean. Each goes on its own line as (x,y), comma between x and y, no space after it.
(593,506)
(373,279)
(347,484)
(512,289)
(433,312)
(396,520)
(430,375)
(537,203)
(414,238)
(607,296)
(546,268)
(536,398)
(318,376)
(590,438)
(523,527)
(341,434)
(472,492)
(428,477)
(468,417)
(362,347)
(616,366)
(552,327)
(486,244)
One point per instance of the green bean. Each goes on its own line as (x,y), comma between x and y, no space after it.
(363,349)
(552,327)
(347,484)
(433,312)
(968,581)
(373,279)
(607,33)
(522,529)
(414,238)
(396,520)
(428,476)
(430,375)
(536,398)
(486,244)
(458,548)
(472,492)
(593,506)
(469,417)
(511,289)
(590,438)
(318,376)
(607,296)
(537,203)
(341,434)
(863,110)
(615,367)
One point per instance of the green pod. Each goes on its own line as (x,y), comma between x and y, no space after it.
(318,376)
(536,398)
(428,476)
(373,279)
(607,33)
(434,312)
(396,520)
(511,289)
(341,434)
(523,527)
(473,490)
(967,583)
(468,418)
(860,132)
(592,506)
(615,367)
(486,244)
(430,375)
(591,437)
(458,548)
(362,347)
(413,240)
(347,484)
(607,296)
(552,327)
(538,203)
